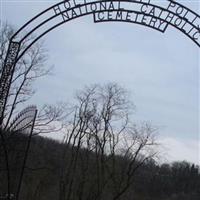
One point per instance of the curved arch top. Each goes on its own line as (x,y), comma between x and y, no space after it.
(158,15)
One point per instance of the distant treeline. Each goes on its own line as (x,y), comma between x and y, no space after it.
(55,171)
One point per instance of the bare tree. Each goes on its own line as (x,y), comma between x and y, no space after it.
(101,131)
(29,68)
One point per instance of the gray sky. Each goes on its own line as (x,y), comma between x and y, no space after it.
(160,70)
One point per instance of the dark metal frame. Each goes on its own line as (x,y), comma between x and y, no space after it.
(14,52)
(30,113)
(23,123)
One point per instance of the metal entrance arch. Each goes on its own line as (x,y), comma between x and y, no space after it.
(158,15)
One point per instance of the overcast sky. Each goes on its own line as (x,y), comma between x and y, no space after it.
(160,70)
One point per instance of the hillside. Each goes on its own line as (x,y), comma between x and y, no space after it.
(62,172)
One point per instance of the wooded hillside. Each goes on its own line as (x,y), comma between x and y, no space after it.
(62,172)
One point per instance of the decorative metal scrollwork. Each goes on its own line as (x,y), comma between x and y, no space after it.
(24,121)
